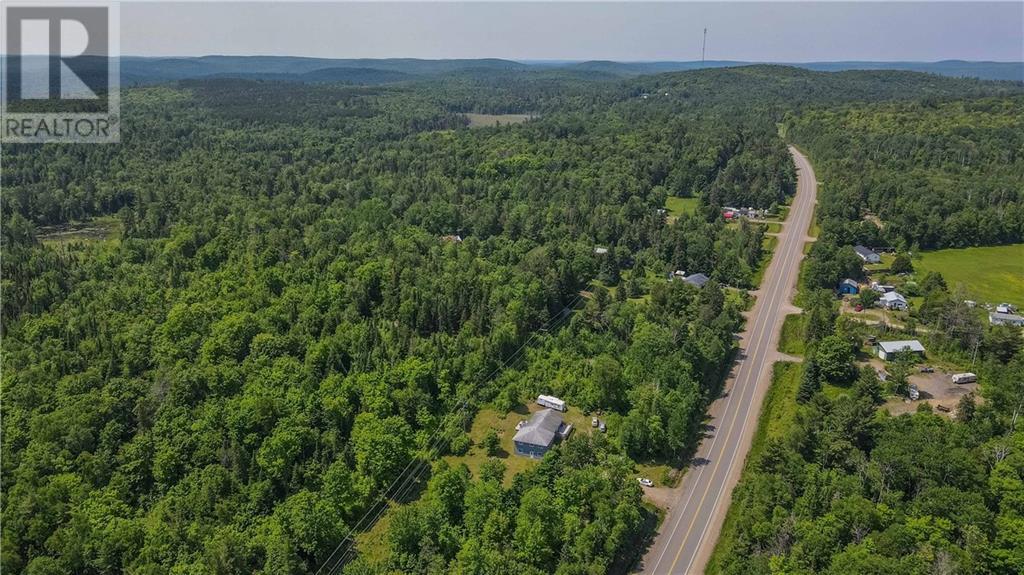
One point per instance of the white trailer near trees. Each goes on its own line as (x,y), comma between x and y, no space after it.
(551,401)
(964,378)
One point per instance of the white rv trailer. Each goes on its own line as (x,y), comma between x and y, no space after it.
(551,401)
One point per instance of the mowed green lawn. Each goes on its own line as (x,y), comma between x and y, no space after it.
(990,274)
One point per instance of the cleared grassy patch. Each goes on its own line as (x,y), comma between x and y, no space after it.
(504,424)
(990,274)
(791,339)
(776,419)
(660,473)
(373,544)
(492,120)
(106,228)
(676,206)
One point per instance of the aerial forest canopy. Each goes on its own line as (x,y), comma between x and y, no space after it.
(842,487)
(921,174)
(298,288)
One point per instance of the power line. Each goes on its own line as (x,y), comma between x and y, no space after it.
(423,464)
(435,442)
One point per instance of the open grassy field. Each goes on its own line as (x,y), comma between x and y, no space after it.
(491,120)
(777,417)
(990,274)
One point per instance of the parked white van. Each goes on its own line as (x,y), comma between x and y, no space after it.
(964,378)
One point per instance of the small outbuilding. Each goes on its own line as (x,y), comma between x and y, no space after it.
(882,288)
(536,437)
(849,287)
(866,254)
(888,349)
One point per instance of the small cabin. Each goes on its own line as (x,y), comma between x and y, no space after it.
(849,287)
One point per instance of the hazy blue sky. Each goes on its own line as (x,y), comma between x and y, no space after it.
(759,31)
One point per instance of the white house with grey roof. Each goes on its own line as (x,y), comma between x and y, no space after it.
(893,300)
(537,435)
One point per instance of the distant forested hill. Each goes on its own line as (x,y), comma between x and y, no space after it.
(135,70)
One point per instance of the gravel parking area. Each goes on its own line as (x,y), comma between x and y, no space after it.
(935,388)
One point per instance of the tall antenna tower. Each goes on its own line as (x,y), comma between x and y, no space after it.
(704,46)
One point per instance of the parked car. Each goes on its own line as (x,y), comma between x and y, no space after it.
(594,422)
(602,427)
(927,369)
(645,482)
(913,392)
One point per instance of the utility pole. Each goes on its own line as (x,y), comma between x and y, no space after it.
(704,46)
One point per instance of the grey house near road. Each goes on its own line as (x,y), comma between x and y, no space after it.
(869,256)
(536,437)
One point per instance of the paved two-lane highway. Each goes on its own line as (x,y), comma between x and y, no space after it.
(688,534)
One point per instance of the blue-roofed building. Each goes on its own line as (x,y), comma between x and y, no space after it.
(849,287)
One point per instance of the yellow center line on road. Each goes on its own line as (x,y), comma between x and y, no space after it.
(757,334)
(761,329)
(732,425)
(792,242)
